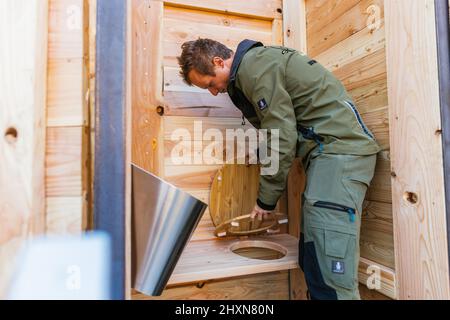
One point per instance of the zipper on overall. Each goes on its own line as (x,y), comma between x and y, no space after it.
(338,207)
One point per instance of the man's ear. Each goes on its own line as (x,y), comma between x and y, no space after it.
(218,62)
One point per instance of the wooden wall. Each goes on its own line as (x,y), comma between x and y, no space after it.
(23,64)
(67,148)
(348,37)
(417,156)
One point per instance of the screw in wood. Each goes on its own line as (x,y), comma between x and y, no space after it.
(160,110)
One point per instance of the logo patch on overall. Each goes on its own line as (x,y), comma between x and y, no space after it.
(337,267)
(262,104)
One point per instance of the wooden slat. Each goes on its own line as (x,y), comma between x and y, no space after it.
(63,162)
(198,177)
(387,278)
(147,53)
(294,36)
(63,215)
(416,151)
(67,161)
(277,33)
(65,29)
(380,188)
(294,25)
(295,186)
(367,294)
(206,260)
(371,96)
(377,242)
(353,48)
(23,61)
(377,120)
(186,103)
(252,287)
(182,25)
(183,100)
(68,72)
(321,13)
(322,36)
(173,123)
(268,9)
(363,71)
(177,29)
(146,84)
(65,93)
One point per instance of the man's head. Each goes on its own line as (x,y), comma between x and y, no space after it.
(206,64)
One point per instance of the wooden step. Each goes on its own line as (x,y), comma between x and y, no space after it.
(214,259)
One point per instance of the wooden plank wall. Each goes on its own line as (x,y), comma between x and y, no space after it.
(159,29)
(67,161)
(417,160)
(348,37)
(23,61)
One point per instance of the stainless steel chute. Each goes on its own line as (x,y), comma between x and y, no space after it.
(163,219)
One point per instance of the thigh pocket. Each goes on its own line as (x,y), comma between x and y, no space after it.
(336,252)
(324,178)
(358,174)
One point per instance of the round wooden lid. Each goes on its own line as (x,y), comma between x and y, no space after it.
(233,195)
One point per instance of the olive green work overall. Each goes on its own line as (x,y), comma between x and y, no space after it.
(331,219)
(280,88)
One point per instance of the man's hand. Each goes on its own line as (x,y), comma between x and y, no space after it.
(260,213)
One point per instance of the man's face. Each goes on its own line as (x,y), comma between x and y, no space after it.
(215,84)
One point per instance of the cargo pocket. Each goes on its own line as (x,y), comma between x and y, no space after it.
(336,256)
(324,178)
(358,174)
(340,258)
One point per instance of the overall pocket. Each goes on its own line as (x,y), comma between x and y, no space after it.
(336,254)
(337,207)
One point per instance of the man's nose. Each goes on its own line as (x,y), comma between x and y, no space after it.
(213,91)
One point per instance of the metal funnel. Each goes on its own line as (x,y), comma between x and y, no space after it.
(163,219)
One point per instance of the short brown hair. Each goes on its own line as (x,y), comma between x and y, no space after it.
(199,54)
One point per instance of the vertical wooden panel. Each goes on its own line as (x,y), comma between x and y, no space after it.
(23,61)
(67,159)
(294,36)
(294,24)
(295,187)
(416,151)
(147,84)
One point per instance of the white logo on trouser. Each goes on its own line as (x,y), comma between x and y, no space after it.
(337,267)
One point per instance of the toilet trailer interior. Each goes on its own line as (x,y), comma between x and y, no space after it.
(386,53)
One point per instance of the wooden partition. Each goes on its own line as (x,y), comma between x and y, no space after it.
(67,179)
(23,61)
(417,168)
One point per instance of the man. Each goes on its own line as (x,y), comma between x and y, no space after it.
(280,88)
